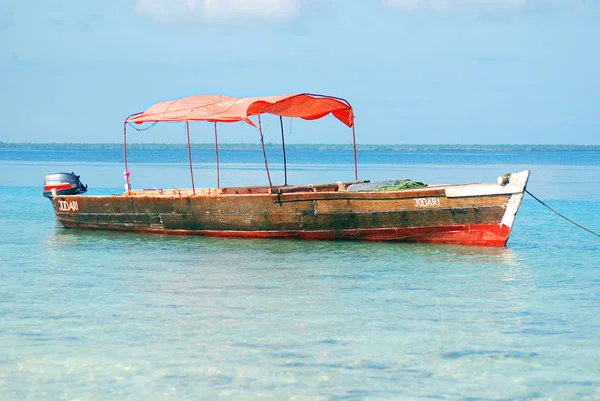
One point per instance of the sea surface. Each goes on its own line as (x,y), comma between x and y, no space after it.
(90,315)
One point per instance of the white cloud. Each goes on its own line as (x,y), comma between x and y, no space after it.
(264,10)
(441,5)
(218,9)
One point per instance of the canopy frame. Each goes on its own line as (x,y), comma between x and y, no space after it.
(217,156)
(187,132)
(223,116)
(283,148)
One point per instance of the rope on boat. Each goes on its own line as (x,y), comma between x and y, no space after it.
(142,129)
(563,216)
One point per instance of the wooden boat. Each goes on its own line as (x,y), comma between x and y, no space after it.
(470,214)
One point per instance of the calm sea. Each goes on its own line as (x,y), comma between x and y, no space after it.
(111,316)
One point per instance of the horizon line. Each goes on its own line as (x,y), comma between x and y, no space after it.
(247,145)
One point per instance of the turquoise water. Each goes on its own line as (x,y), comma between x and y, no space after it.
(110,316)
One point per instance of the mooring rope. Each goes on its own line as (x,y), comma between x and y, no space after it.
(563,216)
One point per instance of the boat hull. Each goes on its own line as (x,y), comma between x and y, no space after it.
(476,214)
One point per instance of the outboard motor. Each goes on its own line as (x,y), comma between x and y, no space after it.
(63,184)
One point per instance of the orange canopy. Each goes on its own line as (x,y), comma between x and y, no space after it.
(219,108)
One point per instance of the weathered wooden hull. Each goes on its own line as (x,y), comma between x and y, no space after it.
(476,214)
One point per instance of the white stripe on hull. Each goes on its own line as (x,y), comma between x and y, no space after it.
(469,190)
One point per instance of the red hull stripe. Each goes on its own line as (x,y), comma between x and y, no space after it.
(493,235)
(57,187)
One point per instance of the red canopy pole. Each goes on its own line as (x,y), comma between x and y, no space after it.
(126,172)
(262,142)
(217,149)
(283,146)
(187,131)
(354,143)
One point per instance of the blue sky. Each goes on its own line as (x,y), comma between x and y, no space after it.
(416,71)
